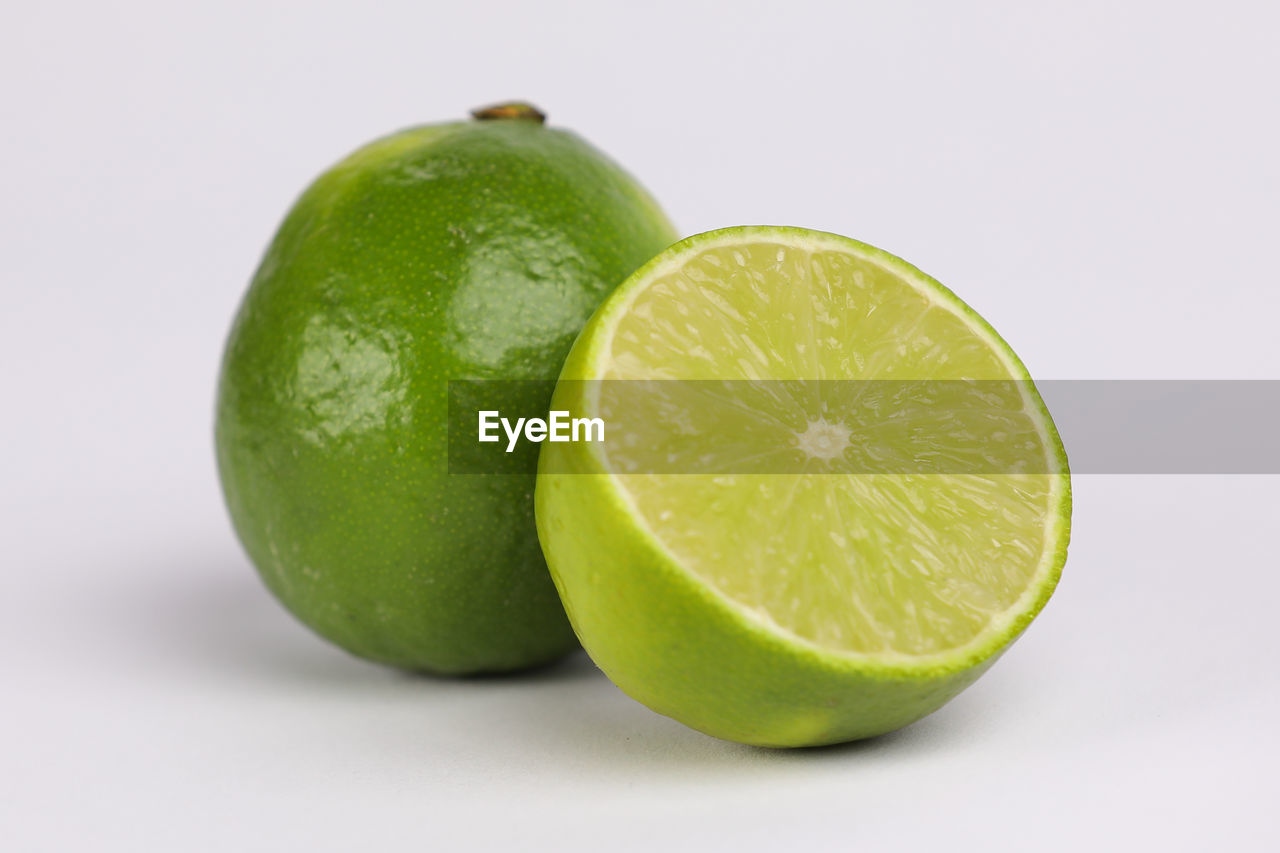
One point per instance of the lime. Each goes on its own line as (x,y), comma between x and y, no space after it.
(473,249)
(815,601)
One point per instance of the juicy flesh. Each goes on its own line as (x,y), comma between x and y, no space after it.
(903,563)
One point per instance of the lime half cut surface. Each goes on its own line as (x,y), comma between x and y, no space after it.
(733,556)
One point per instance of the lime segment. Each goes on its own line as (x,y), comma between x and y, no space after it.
(815,602)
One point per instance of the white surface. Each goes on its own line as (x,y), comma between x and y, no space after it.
(1099,179)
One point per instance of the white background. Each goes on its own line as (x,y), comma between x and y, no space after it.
(1100,180)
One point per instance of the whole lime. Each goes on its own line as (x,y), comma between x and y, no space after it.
(469,250)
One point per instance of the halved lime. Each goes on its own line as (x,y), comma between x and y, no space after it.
(811,601)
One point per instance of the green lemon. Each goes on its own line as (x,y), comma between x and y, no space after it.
(469,250)
(870,572)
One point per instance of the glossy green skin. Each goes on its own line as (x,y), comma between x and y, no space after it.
(469,250)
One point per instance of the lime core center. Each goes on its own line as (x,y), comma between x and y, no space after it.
(823,439)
